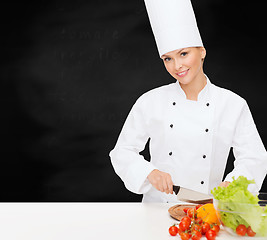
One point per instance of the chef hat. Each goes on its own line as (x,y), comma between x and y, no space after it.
(174,24)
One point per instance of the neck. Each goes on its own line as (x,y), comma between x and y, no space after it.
(193,88)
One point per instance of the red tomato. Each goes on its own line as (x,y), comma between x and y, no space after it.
(198,220)
(186,209)
(241,230)
(184,225)
(196,235)
(173,230)
(192,213)
(184,236)
(205,228)
(197,227)
(186,219)
(210,235)
(215,228)
(250,232)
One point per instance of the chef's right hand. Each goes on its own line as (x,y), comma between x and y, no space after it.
(161,181)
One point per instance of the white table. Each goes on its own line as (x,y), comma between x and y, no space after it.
(87,221)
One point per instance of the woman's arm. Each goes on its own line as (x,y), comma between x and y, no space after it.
(250,154)
(131,167)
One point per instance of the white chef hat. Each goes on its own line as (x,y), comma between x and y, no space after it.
(174,24)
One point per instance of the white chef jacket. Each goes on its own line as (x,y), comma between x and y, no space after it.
(190,140)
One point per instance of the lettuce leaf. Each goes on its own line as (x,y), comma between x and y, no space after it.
(239,206)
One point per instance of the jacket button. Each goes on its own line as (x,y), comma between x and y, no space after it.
(204,156)
(170,153)
(206,130)
(207,104)
(202,182)
(171,125)
(174,103)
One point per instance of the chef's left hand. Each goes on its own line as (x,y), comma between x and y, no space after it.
(224,184)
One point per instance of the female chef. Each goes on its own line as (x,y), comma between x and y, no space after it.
(191,124)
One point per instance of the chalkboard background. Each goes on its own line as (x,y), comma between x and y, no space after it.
(71,71)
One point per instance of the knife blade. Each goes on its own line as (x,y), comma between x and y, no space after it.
(191,196)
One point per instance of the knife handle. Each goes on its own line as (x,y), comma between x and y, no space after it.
(176,189)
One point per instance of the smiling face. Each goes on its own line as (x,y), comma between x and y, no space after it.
(186,64)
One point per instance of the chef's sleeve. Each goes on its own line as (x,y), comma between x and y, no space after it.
(249,151)
(131,167)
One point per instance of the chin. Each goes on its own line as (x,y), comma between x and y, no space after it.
(184,81)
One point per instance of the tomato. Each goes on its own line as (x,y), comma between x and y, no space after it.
(186,209)
(196,235)
(205,228)
(184,225)
(192,213)
(250,232)
(197,227)
(173,230)
(184,236)
(215,228)
(241,230)
(198,220)
(210,235)
(186,219)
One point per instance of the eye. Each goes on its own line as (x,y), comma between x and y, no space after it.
(183,54)
(167,59)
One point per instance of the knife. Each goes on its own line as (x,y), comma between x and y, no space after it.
(191,196)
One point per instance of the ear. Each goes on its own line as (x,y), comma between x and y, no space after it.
(202,52)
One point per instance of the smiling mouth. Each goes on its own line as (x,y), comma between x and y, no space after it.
(183,73)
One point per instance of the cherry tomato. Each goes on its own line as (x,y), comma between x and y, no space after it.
(184,236)
(190,233)
(192,213)
(198,220)
(205,228)
(250,232)
(173,230)
(241,230)
(196,235)
(186,219)
(197,227)
(215,228)
(184,225)
(210,235)
(186,209)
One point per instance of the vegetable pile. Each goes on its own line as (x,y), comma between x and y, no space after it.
(239,208)
(200,220)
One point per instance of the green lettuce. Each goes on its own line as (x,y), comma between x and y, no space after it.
(239,206)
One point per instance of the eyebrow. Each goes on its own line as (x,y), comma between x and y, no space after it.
(164,55)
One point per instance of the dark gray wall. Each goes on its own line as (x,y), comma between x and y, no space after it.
(71,71)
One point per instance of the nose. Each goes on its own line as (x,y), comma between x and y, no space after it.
(178,65)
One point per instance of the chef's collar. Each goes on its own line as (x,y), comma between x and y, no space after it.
(202,94)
